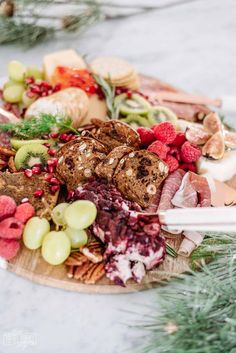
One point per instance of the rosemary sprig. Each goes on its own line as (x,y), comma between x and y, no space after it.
(109,93)
(171,251)
(38,126)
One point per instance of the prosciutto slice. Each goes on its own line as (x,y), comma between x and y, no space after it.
(170,187)
(186,195)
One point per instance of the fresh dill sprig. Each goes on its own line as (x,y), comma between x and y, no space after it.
(38,126)
(109,93)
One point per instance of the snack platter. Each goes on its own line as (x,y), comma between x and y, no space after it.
(89,154)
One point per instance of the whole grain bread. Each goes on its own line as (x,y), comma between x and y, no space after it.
(78,159)
(19,187)
(114,133)
(107,167)
(138,176)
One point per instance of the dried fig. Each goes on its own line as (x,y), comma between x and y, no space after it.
(197,135)
(212,123)
(230,139)
(215,147)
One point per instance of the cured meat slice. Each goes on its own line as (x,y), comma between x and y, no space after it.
(186,196)
(191,241)
(170,187)
(200,184)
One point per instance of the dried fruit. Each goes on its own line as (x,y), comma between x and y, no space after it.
(24,212)
(179,139)
(212,123)
(172,163)
(215,147)
(11,228)
(190,153)
(159,149)
(146,135)
(165,132)
(9,248)
(230,139)
(197,135)
(7,207)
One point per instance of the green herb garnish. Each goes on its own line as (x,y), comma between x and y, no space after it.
(109,93)
(39,126)
(171,251)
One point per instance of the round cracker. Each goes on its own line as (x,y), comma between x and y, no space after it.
(111,68)
(125,80)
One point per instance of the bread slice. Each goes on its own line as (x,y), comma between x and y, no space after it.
(114,133)
(78,159)
(138,176)
(68,58)
(19,187)
(107,167)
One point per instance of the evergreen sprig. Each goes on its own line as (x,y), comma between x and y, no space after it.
(38,126)
(197,313)
(109,93)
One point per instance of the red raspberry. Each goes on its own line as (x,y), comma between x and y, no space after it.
(175,152)
(188,167)
(146,135)
(159,148)
(7,207)
(11,228)
(9,248)
(165,132)
(179,139)
(172,163)
(190,153)
(24,212)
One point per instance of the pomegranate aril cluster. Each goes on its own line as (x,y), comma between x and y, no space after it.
(171,146)
(40,89)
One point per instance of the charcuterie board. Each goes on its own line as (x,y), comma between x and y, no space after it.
(30,264)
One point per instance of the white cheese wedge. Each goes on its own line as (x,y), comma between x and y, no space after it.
(67,58)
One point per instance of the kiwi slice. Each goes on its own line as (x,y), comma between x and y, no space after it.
(136,120)
(131,105)
(16,144)
(31,154)
(158,114)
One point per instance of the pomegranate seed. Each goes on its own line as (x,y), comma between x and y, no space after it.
(30,94)
(74,137)
(54,135)
(48,177)
(36,170)
(51,169)
(54,189)
(64,137)
(52,162)
(70,195)
(29,80)
(51,152)
(129,94)
(47,145)
(57,87)
(45,169)
(28,173)
(54,181)
(38,193)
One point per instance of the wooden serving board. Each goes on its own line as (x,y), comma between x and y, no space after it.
(30,264)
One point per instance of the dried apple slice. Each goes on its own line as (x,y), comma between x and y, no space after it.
(230,139)
(197,135)
(212,123)
(215,146)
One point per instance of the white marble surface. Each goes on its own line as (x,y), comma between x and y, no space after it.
(191,46)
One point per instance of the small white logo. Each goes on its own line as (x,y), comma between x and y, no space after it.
(19,338)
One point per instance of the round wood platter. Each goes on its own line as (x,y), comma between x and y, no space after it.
(30,264)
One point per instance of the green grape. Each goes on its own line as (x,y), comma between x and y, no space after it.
(56,247)
(77,237)
(80,214)
(16,71)
(13,94)
(35,230)
(58,214)
(9,84)
(33,71)
(27,101)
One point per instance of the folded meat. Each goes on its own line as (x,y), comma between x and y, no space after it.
(133,241)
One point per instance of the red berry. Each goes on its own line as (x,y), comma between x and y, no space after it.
(179,139)
(172,163)
(70,195)
(47,145)
(54,181)
(175,152)
(165,132)
(38,193)
(51,152)
(24,212)
(159,148)
(64,137)
(52,162)
(54,135)
(188,167)
(190,153)
(28,173)
(36,170)
(129,94)
(48,177)
(29,80)
(146,135)
(7,206)
(54,189)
